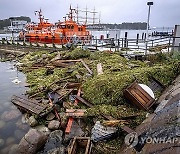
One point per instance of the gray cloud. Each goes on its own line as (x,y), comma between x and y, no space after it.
(163,13)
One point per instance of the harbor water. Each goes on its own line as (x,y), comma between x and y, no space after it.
(12,121)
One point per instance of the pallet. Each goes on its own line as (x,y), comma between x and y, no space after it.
(32,106)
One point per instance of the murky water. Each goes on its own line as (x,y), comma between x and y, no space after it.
(12,125)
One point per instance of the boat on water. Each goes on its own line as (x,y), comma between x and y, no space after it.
(68,31)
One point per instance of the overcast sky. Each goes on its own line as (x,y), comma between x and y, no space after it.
(163,13)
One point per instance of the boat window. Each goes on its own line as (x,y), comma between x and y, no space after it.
(79,29)
(72,27)
(63,26)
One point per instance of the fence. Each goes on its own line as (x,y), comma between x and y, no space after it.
(101,44)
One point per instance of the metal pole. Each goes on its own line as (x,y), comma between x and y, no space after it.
(147,28)
(149,11)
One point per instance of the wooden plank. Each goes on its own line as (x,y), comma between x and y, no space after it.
(83,101)
(75,112)
(99,69)
(86,67)
(70,121)
(29,105)
(69,125)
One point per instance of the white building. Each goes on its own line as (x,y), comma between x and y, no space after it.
(17,25)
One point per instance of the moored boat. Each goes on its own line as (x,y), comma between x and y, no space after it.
(68,31)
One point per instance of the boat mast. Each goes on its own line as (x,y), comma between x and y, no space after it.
(40,15)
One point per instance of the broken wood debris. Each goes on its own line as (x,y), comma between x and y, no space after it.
(64,63)
(83,101)
(32,106)
(80,144)
(86,66)
(113,123)
(70,121)
(99,69)
(138,96)
(76,113)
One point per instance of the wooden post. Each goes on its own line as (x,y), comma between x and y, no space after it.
(96,43)
(118,44)
(125,40)
(122,43)
(169,43)
(137,40)
(142,36)
(152,43)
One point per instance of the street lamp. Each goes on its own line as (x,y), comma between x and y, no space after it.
(149,10)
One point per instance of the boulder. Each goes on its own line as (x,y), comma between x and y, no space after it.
(10,115)
(32,142)
(32,121)
(60,150)
(54,124)
(2,124)
(1,142)
(50,116)
(14,149)
(19,134)
(43,129)
(21,125)
(54,143)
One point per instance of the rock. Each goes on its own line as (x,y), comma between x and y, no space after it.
(57,134)
(60,150)
(32,121)
(25,118)
(10,140)
(19,134)
(6,149)
(50,116)
(54,124)
(32,142)
(21,125)
(43,129)
(75,131)
(54,142)
(2,124)
(13,114)
(64,120)
(14,149)
(1,142)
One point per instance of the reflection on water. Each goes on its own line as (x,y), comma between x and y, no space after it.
(12,126)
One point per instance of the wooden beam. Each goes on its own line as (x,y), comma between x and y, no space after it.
(85,65)
(99,69)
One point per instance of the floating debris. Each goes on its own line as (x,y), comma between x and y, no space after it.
(16,81)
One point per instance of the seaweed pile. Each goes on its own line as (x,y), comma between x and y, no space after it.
(105,91)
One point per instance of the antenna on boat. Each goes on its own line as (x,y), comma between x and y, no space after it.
(39,13)
(77,14)
(71,13)
(94,13)
(64,18)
